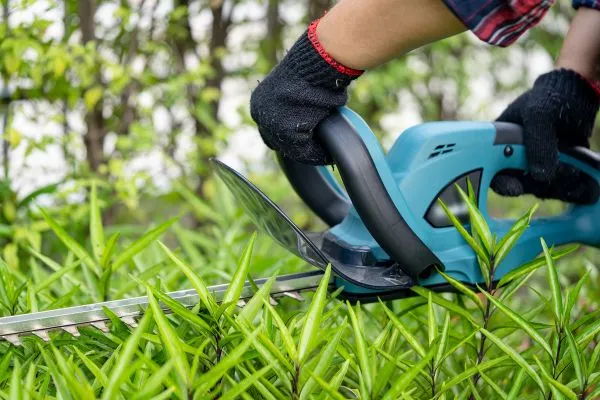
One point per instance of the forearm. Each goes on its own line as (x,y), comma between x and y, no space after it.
(363,34)
(581,48)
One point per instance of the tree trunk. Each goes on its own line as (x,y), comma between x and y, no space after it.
(94,138)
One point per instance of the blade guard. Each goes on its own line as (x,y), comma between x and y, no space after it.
(273,221)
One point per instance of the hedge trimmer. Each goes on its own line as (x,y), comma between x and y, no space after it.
(388,231)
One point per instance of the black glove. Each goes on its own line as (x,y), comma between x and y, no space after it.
(303,89)
(558,112)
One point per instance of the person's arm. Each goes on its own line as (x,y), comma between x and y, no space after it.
(581,48)
(364,34)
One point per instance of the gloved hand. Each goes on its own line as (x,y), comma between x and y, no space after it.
(558,112)
(303,89)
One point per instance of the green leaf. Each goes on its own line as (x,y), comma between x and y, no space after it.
(109,250)
(467,373)
(71,243)
(399,385)
(332,393)
(464,290)
(16,388)
(439,300)
(288,340)
(492,383)
(554,286)
(361,349)
(432,329)
(189,316)
(572,298)
(206,381)
(412,341)
(478,223)
(240,387)
(325,358)
(555,386)
(197,283)
(441,348)
(144,241)
(516,357)
(251,309)
(517,384)
(576,358)
(312,322)
(513,235)
(97,372)
(169,337)
(155,381)
(534,264)
(117,375)
(521,322)
(236,286)
(96,229)
(479,251)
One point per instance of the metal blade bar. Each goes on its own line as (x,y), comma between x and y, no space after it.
(128,310)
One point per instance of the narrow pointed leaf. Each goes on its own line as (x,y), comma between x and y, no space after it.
(117,375)
(516,357)
(479,251)
(361,349)
(513,235)
(206,381)
(478,223)
(516,318)
(239,278)
(169,338)
(197,283)
(401,384)
(312,320)
(141,243)
(576,358)
(554,285)
(324,363)
(240,387)
(109,249)
(439,300)
(288,340)
(534,264)
(251,309)
(517,384)
(71,243)
(464,290)
(412,341)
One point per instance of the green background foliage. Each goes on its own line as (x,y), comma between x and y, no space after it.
(96,88)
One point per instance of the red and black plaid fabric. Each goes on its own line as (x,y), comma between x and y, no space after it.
(501,22)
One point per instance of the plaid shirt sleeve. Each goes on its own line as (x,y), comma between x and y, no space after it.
(501,22)
(587,3)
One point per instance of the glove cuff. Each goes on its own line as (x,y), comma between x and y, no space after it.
(570,83)
(313,64)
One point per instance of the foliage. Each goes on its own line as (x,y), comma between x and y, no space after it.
(123,82)
(463,345)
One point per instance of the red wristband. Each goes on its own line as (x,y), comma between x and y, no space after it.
(314,40)
(595,84)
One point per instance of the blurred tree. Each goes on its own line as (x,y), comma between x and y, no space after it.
(133,80)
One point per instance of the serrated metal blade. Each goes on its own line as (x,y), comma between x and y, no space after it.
(128,310)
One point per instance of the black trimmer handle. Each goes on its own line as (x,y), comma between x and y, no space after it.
(371,199)
(315,191)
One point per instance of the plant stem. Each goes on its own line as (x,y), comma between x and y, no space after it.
(486,319)
(296,383)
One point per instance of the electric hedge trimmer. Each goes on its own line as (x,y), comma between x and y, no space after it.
(387,231)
